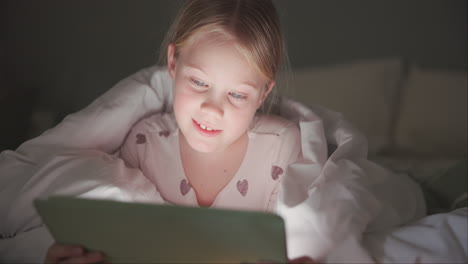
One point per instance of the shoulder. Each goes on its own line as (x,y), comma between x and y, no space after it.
(274,125)
(282,136)
(156,123)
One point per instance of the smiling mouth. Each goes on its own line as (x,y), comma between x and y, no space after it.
(208,131)
(204,127)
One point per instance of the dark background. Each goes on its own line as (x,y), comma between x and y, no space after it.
(57,56)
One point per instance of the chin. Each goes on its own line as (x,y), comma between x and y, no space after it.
(202,147)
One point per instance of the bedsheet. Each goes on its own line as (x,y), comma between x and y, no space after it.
(437,238)
(331,200)
(82,173)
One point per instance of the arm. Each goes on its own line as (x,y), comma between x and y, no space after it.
(289,153)
(129,150)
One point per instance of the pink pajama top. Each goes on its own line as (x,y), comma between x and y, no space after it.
(153,146)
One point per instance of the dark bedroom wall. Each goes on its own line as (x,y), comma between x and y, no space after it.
(57,56)
(432,33)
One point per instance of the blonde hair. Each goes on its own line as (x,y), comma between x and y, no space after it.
(253,23)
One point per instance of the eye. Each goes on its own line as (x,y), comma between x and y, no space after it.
(198,83)
(237,96)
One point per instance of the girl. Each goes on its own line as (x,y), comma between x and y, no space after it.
(213,150)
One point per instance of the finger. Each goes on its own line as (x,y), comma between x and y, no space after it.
(90,257)
(59,251)
(303,260)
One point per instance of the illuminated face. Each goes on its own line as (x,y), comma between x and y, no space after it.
(217,92)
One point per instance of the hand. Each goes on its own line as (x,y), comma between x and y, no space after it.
(304,260)
(64,254)
(301,260)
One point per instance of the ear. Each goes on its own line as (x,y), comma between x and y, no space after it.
(268,89)
(171,60)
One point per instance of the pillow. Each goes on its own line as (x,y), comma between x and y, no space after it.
(365,92)
(433,114)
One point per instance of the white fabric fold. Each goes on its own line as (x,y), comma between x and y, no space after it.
(81,173)
(328,202)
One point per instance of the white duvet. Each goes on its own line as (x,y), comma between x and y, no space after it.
(337,206)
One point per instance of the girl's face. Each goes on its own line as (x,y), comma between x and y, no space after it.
(217,92)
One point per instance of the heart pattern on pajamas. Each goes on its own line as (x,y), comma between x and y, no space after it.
(141,139)
(243,187)
(164,133)
(185,187)
(276,172)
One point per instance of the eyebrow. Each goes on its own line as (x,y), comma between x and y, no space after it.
(245,84)
(195,67)
(250,86)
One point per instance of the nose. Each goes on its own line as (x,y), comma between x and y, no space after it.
(213,105)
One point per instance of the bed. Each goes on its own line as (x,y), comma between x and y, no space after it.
(378,216)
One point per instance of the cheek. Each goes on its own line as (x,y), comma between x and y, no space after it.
(242,117)
(259,100)
(181,99)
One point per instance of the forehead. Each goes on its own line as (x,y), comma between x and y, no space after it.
(217,54)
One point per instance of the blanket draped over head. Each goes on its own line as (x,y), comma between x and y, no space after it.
(328,200)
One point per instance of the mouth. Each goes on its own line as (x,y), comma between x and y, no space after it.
(204,130)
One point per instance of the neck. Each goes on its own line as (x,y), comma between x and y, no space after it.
(239,145)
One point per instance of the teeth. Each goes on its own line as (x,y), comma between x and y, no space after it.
(206,128)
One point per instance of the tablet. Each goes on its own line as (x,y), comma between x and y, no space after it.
(149,233)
